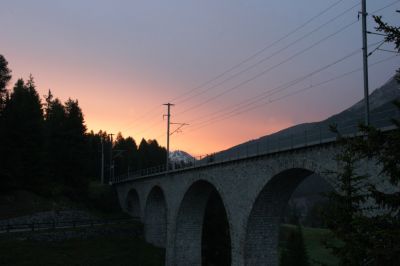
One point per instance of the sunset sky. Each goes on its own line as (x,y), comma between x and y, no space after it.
(124,59)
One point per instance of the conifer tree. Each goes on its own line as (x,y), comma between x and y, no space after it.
(127,155)
(55,142)
(383,228)
(345,217)
(370,235)
(76,153)
(392,34)
(144,154)
(23,130)
(5,76)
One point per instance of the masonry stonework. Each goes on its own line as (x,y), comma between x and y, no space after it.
(254,192)
(155,218)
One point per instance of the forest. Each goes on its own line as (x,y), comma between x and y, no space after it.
(46,148)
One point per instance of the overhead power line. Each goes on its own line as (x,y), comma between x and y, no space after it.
(242,62)
(146,114)
(264,59)
(256,54)
(152,125)
(269,69)
(279,88)
(385,7)
(268,93)
(261,51)
(213,120)
(207,123)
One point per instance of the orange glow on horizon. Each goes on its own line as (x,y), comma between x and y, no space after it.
(120,63)
(204,141)
(110,112)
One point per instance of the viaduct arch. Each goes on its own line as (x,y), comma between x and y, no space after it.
(133,203)
(155,218)
(262,230)
(190,221)
(253,191)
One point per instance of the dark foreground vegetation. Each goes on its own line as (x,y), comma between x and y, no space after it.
(308,248)
(101,250)
(364,215)
(18,249)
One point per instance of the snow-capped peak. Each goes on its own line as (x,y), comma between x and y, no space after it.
(180,156)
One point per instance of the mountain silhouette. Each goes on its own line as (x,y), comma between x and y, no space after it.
(347,121)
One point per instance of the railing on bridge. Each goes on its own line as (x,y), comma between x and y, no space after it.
(314,134)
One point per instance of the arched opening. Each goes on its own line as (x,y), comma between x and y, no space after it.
(263,226)
(307,202)
(155,221)
(202,229)
(133,203)
(303,228)
(216,241)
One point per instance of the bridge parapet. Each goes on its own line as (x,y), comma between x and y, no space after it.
(319,135)
(254,192)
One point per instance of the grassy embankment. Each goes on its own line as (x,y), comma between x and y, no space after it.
(15,249)
(314,238)
(122,250)
(102,250)
(101,201)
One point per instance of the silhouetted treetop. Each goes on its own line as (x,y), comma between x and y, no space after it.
(5,73)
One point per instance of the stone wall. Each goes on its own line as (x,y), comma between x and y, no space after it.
(254,192)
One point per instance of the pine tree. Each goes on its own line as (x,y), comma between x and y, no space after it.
(55,142)
(392,34)
(144,154)
(93,143)
(345,217)
(370,236)
(131,154)
(383,228)
(157,153)
(76,153)
(151,154)
(23,132)
(5,76)
(127,159)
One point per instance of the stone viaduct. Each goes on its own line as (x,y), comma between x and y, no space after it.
(254,190)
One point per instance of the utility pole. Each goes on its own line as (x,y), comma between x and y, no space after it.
(364,15)
(102,160)
(111,159)
(168,127)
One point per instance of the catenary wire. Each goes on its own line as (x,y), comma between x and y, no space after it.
(277,89)
(264,59)
(289,94)
(269,69)
(249,58)
(257,53)
(267,47)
